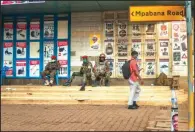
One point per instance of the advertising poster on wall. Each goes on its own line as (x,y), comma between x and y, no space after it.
(62,50)
(120,63)
(8,31)
(34,68)
(150,47)
(21,50)
(48,29)
(94,41)
(136,31)
(20,68)
(164,66)
(109,48)
(122,32)
(164,48)
(34,30)
(34,49)
(163,30)
(109,30)
(8,51)
(63,72)
(9,63)
(62,29)
(150,31)
(21,31)
(111,64)
(48,51)
(150,67)
(136,46)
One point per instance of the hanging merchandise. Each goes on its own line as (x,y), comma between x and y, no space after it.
(34,68)
(111,64)
(150,47)
(48,51)
(109,30)
(164,48)
(21,31)
(164,66)
(120,63)
(63,72)
(136,31)
(136,46)
(21,68)
(21,50)
(94,41)
(163,30)
(150,67)
(48,29)
(34,30)
(8,31)
(109,44)
(62,50)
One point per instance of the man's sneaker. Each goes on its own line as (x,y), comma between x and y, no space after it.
(132,107)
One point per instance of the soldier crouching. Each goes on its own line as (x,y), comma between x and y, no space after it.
(50,69)
(102,71)
(86,72)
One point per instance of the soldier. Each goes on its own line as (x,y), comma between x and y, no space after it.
(86,72)
(102,70)
(50,69)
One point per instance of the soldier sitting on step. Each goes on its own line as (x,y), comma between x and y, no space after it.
(50,69)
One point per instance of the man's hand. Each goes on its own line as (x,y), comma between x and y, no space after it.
(141,82)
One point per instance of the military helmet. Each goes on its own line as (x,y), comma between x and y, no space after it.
(102,55)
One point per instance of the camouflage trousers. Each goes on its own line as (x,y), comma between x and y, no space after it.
(50,73)
(86,77)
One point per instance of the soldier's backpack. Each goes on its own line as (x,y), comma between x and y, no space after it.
(126,70)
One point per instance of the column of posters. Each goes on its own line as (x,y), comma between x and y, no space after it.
(8,31)
(21,68)
(21,31)
(8,57)
(20,50)
(63,58)
(34,68)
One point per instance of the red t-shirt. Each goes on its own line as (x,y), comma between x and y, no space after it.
(133,68)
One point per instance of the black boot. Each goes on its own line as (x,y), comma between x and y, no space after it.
(94,83)
(134,103)
(83,87)
(132,107)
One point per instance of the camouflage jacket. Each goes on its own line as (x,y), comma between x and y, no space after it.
(102,67)
(52,66)
(86,68)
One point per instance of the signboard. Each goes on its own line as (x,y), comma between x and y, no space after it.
(13,2)
(156,13)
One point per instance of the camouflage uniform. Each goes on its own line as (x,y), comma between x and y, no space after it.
(86,72)
(50,69)
(102,70)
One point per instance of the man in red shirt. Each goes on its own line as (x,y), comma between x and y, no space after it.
(134,81)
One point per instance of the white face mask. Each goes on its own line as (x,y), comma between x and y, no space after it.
(53,60)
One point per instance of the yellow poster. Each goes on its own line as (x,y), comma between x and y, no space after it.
(94,41)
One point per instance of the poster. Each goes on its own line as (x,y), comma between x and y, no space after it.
(150,67)
(150,47)
(63,72)
(48,51)
(95,41)
(9,63)
(21,31)
(164,66)
(136,31)
(62,29)
(122,50)
(109,48)
(21,68)
(8,51)
(150,31)
(34,68)
(120,63)
(48,29)
(21,50)
(8,31)
(136,46)
(111,64)
(164,48)
(62,50)
(109,30)
(122,32)
(163,30)
(34,30)
(34,49)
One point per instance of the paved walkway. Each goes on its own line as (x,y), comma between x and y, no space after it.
(75,118)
